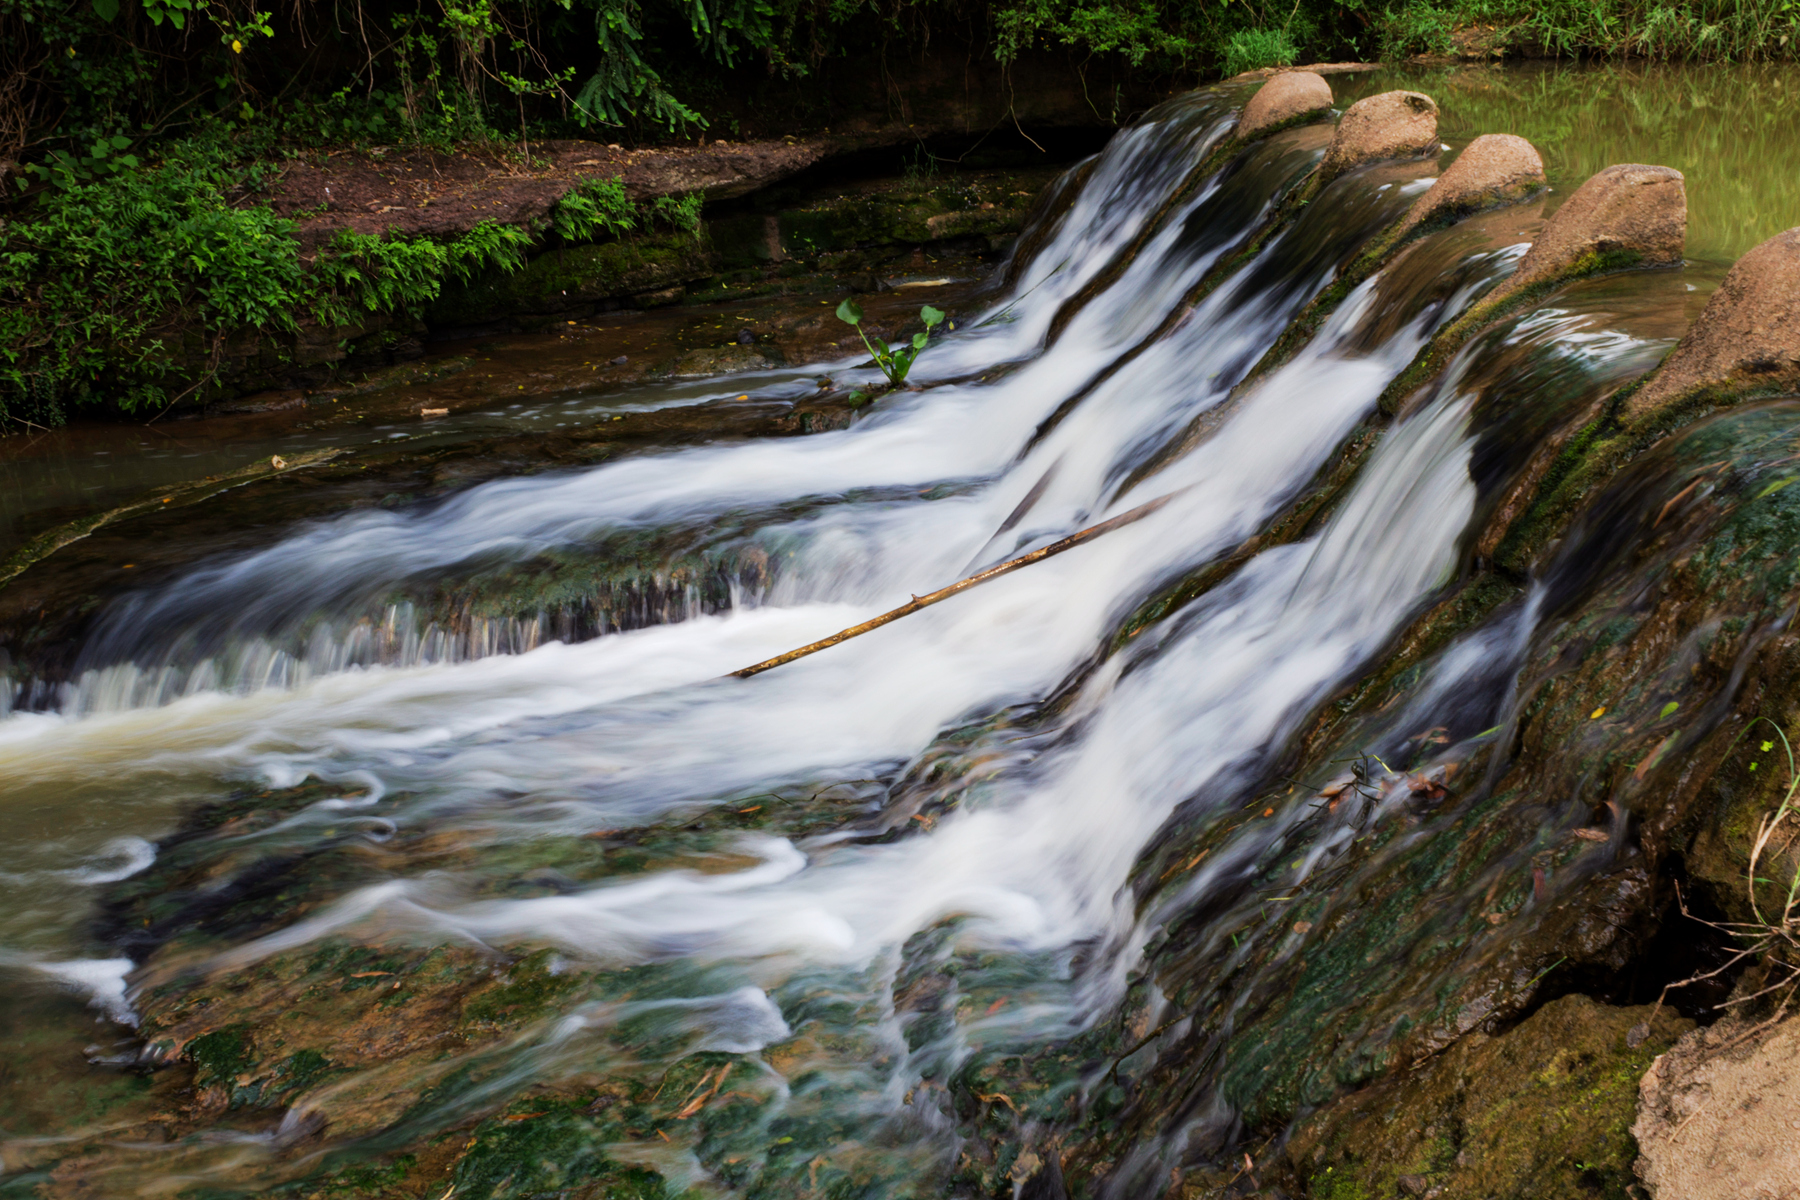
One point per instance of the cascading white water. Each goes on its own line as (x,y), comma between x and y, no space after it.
(522,739)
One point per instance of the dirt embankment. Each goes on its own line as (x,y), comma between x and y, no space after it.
(422,193)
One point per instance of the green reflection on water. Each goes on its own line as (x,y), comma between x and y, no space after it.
(1733,130)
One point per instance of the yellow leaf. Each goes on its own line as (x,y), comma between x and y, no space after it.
(1597,713)
(237,47)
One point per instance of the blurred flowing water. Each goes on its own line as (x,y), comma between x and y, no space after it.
(992,769)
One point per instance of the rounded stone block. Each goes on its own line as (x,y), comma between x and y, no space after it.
(1747,335)
(1286,97)
(1493,170)
(1629,208)
(1634,214)
(1389,125)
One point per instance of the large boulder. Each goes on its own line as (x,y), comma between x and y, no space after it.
(1390,125)
(1626,215)
(1493,170)
(1747,337)
(1283,100)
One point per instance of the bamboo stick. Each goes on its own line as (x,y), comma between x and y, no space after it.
(962,585)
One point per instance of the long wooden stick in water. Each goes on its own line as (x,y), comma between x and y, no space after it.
(962,585)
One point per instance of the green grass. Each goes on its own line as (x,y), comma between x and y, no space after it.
(1251,49)
(1700,30)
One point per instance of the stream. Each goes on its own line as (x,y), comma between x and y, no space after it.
(830,892)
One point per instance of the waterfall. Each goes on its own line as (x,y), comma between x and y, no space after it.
(994,767)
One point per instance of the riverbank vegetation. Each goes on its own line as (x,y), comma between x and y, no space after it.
(139,139)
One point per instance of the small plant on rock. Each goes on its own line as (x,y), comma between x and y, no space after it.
(894,363)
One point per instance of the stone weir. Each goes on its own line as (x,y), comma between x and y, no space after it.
(1434,948)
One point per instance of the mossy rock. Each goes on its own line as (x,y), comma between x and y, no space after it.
(1544,1110)
(911,213)
(569,276)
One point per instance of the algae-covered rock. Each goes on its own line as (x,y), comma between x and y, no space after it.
(1744,346)
(1542,1111)
(561,279)
(1747,337)
(1493,170)
(1718,1113)
(1388,125)
(1284,100)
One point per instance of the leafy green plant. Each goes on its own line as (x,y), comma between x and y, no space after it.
(682,213)
(1253,49)
(894,363)
(365,274)
(594,208)
(125,290)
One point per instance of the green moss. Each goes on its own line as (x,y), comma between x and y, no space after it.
(221,1056)
(530,1154)
(562,278)
(369,1179)
(1544,1110)
(300,1070)
(528,991)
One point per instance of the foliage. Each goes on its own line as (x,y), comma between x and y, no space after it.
(85,274)
(101,280)
(372,274)
(595,208)
(1251,49)
(1711,30)
(894,363)
(135,134)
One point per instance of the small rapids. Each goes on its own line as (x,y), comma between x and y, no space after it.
(976,783)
